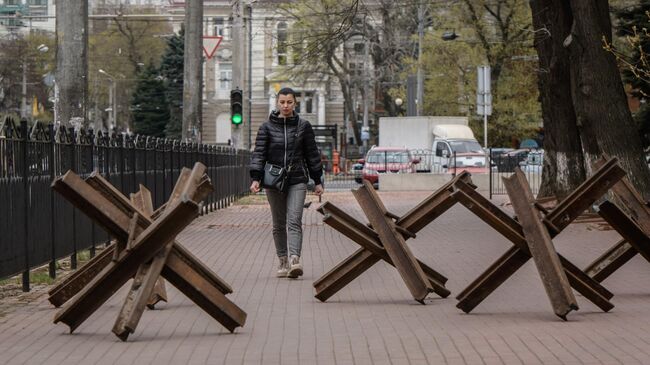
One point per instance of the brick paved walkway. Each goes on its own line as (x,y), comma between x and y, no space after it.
(372,321)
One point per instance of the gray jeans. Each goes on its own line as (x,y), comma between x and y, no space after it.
(286,210)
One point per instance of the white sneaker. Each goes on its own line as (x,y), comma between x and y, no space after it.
(283,267)
(295,267)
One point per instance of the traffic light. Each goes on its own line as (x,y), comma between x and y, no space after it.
(236,106)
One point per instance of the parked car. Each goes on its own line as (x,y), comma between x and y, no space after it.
(357,170)
(381,160)
(495,152)
(506,162)
(533,163)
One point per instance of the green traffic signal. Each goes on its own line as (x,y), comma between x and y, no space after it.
(236,106)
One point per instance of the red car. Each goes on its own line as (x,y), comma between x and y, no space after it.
(380,160)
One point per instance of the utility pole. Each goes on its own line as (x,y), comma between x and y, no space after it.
(249,14)
(71,60)
(23,101)
(192,72)
(238,49)
(365,133)
(420,75)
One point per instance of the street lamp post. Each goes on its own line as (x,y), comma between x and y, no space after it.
(112,99)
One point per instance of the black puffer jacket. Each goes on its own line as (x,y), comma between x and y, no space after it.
(278,139)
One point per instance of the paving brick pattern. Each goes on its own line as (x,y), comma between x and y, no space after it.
(371,321)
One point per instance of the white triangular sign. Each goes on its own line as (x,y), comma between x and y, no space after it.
(210,45)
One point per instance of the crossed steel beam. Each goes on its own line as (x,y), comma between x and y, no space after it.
(384,239)
(145,250)
(74,282)
(553,222)
(632,223)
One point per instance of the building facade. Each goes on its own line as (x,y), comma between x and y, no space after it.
(26,15)
(264,60)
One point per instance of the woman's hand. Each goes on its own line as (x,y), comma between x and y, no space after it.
(319,189)
(255,186)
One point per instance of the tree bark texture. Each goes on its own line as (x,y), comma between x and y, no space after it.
(193,69)
(71,61)
(602,113)
(563,160)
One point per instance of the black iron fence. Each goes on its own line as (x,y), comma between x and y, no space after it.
(503,165)
(37,226)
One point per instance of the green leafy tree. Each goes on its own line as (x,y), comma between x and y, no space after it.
(171,68)
(36,52)
(150,110)
(319,29)
(121,46)
(496,33)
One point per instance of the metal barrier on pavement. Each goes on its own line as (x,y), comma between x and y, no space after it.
(39,227)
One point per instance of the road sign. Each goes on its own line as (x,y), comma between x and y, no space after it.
(483,91)
(210,45)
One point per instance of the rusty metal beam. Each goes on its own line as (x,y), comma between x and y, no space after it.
(515,257)
(78,279)
(178,253)
(201,291)
(347,270)
(147,278)
(635,240)
(433,206)
(540,245)
(407,225)
(64,291)
(603,179)
(143,200)
(612,260)
(115,274)
(344,273)
(393,242)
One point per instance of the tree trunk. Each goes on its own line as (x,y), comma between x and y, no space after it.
(350,111)
(602,114)
(193,67)
(71,62)
(563,160)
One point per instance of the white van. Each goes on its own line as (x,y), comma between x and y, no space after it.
(455,149)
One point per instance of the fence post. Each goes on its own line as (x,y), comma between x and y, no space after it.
(121,154)
(25,173)
(454,174)
(51,165)
(134,165)
(73,147)
(489,159)
(93,227)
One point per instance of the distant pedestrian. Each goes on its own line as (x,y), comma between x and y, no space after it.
(288,141)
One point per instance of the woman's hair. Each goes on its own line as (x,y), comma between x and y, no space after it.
(287,91)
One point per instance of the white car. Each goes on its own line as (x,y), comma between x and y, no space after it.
(533,163)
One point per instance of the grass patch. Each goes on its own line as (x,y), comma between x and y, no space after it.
(36,277)
(41,275)
(253,199)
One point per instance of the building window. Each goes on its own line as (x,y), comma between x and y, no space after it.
(358,48)
(219,26)
(308,99)
(224,76)
(282,43)
(356,68)
(305,102)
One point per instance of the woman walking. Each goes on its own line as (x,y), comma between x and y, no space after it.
(288,141)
